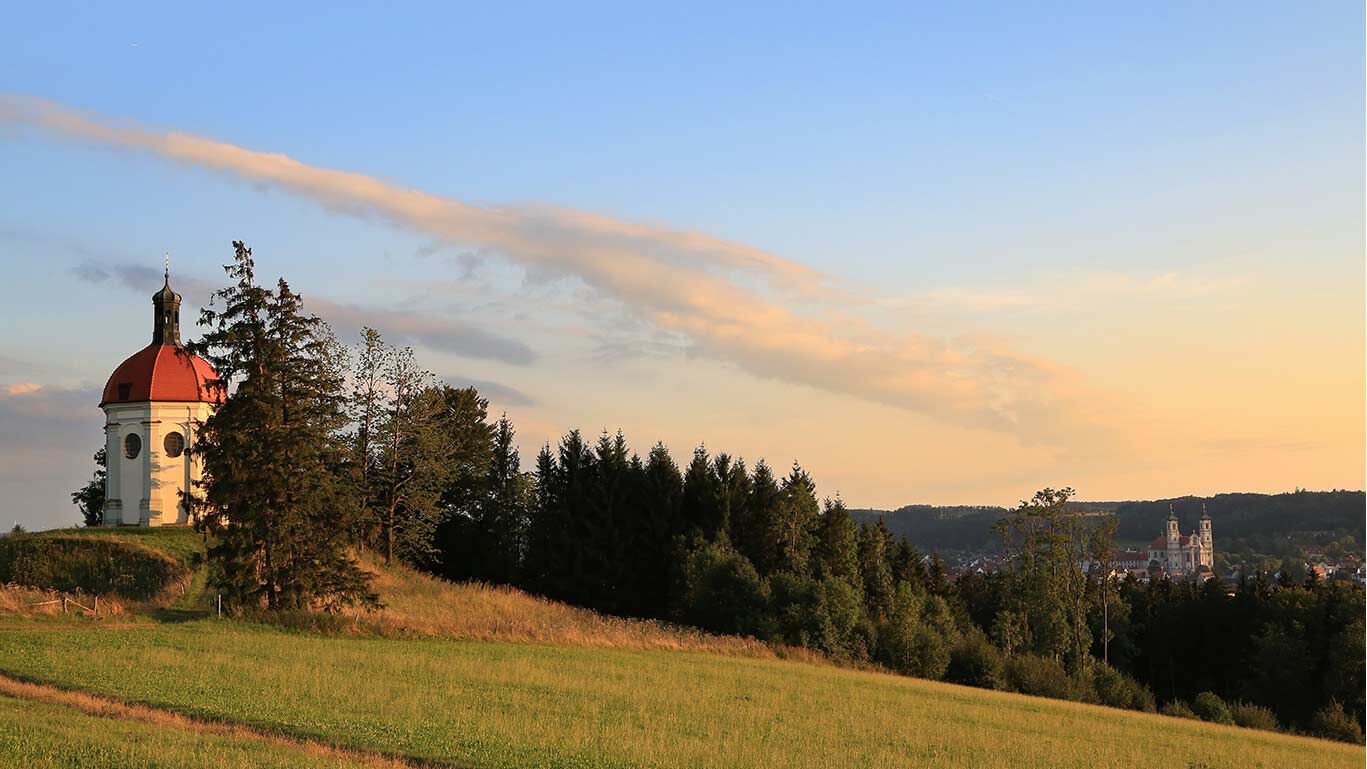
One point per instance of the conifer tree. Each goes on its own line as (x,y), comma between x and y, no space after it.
(544,527)
(702,503)
(733,490)
(655,535)
(272,490)
(755,532)
(907,566)
(503,510)
(793,522)
(606,516)
(879,586)
(836,545)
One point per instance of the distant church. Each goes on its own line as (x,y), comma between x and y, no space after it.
(1182,555)
(153,403)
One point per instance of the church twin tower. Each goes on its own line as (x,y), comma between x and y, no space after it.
(1180,554)
(153,403)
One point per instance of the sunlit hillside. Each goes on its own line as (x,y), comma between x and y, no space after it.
(479,676)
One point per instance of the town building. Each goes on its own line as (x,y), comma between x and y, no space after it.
(1180,555)
(153,404)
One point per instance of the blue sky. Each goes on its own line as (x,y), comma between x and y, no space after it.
(1110,189)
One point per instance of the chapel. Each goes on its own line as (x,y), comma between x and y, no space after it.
(153,403)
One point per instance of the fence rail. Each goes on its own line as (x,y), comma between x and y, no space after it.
(68,603)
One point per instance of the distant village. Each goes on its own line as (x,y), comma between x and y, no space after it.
(1174,555)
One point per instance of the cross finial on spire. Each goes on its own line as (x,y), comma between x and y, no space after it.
(168,265)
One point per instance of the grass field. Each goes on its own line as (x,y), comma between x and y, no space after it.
(478,676)
(39,735)
(485,704)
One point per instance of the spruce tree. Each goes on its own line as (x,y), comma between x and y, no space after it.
(504,507)
(756,531)
(656,531)
(543,525)
(793,523)
(702,503)
(878,582)
(273,492)
(733,490)
(836,545)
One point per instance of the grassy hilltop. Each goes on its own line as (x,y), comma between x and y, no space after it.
(471,676)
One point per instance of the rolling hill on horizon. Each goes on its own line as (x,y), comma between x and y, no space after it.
(1236,515)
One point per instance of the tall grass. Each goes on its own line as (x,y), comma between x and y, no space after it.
(21,601)
(419,605)
(484,704)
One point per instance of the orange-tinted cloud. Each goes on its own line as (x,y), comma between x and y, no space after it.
(767,315)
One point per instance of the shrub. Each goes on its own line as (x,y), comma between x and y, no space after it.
(1209,707)
(1042,677)
(1178,709)
(822,614)
(1118,690)
(841,610)
(1332,722)
(974,661)
(723,593)
(917,636)
(1252,716)
(92,564)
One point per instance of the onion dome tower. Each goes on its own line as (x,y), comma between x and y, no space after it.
(153,403)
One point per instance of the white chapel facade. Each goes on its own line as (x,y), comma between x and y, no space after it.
(153,404)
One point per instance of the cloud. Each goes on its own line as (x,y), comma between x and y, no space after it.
(35,415)
(499,394)
(769,316)
(428,329)
(42,429)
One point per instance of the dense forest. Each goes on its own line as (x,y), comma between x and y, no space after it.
(319,450)
(1260,519)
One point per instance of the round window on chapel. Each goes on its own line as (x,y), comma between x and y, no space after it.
(174,444)
(132,445)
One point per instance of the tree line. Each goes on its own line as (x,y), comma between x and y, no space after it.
(318,451)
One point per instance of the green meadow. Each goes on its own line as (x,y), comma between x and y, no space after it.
(39,735)
(469,675)
(494,704)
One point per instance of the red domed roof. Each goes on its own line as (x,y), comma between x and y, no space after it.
(162,372)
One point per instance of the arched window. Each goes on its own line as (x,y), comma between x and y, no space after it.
(132,446)
(174,444)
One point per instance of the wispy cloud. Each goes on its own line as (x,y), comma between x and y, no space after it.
(432,330)
(764,314)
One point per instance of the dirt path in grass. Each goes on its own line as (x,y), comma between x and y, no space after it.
(106,707)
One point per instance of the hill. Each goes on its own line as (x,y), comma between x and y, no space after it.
(473,676)
(1237,516)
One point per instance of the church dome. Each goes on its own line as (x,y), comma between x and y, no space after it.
(162,372)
